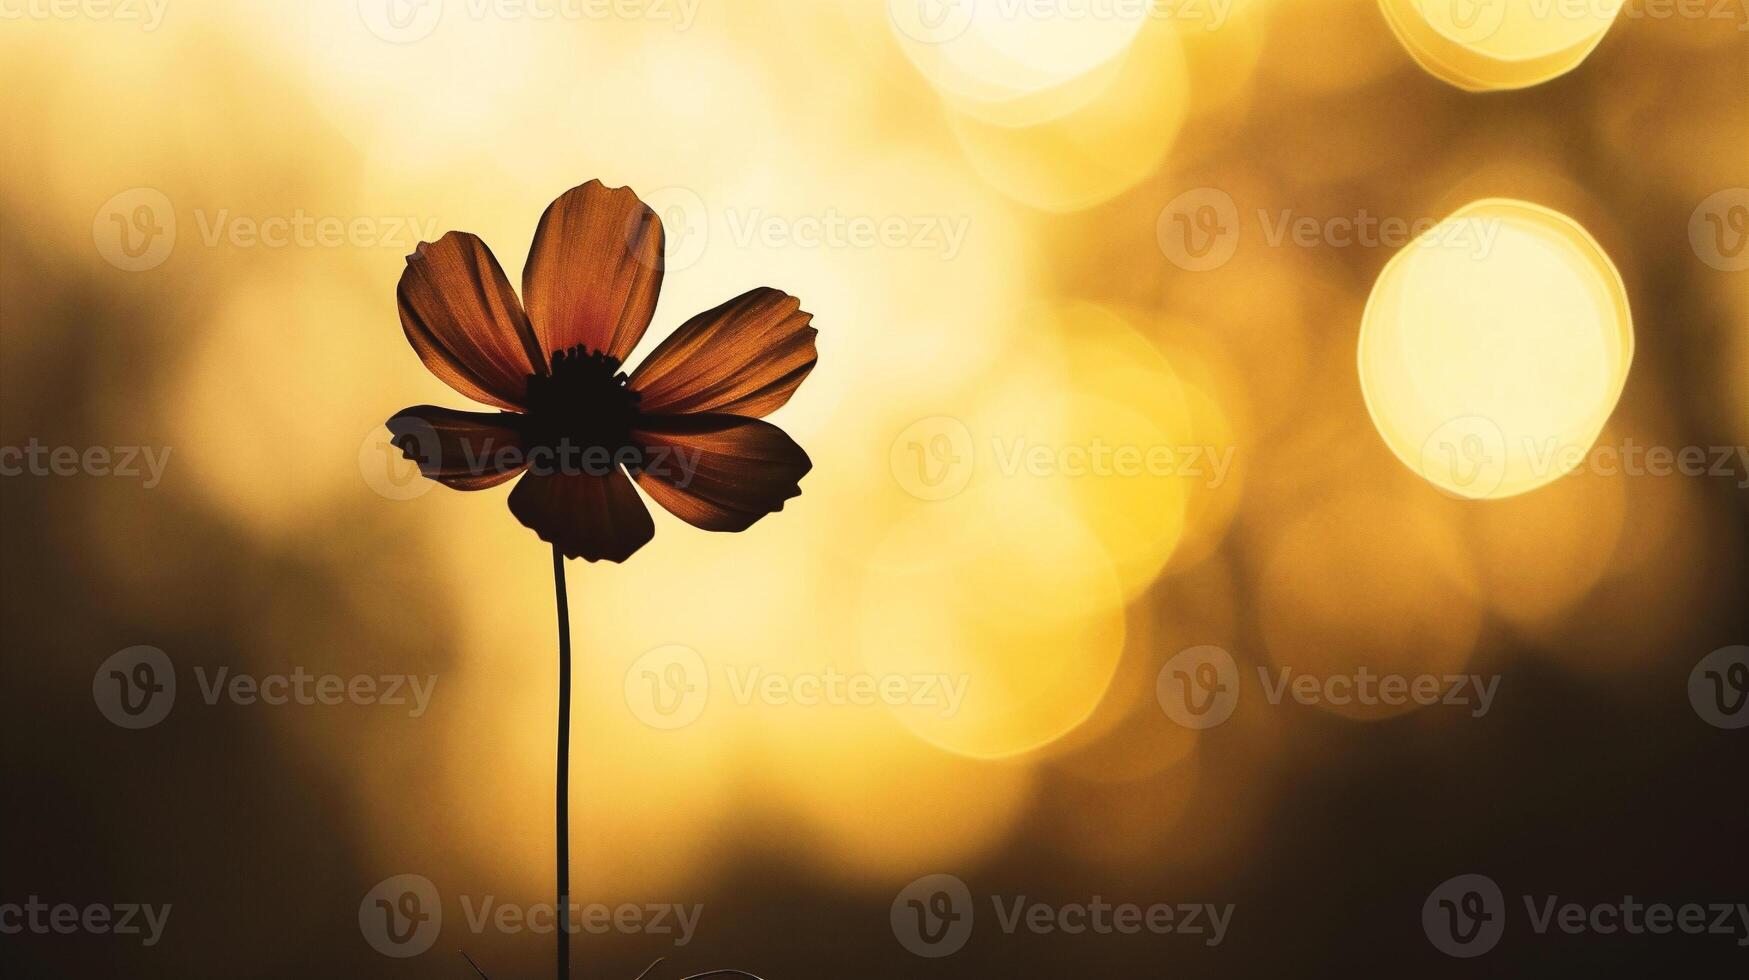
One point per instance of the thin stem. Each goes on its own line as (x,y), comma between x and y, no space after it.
(562,807)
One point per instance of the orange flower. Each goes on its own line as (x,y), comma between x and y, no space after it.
(686,424)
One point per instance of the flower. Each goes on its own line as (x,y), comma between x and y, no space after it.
(686,425)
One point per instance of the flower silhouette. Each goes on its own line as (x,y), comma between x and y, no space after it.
(686,424)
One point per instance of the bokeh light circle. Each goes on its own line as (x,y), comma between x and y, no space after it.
(1009,597)
(1482,45)
(1494,348)
(994,53)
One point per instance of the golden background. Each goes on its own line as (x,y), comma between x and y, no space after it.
(1028,291)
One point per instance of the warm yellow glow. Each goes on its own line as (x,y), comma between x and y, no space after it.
(1494,348)
(1125,448)
(1367,581)
(240,438)
(973,221)
(1333,34)
(1542,553)
(999,55)
(1007,592)
(855,826)
(1480,45)
(1100,148)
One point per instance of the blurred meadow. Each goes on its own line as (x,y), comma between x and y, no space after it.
(203,216)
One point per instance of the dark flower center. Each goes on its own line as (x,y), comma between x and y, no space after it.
(583,410)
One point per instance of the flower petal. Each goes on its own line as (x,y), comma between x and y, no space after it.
(463,319)
(719,472)
(746,357)
(594,271)
(586,516)
(463,450)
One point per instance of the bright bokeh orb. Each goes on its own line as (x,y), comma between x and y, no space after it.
(1000,54)
(1482,45)
(1096,150)
(1010,597)
(1494,348)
